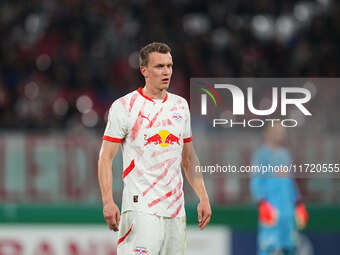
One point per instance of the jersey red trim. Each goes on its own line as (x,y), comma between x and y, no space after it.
(165,98)
(187,140)
(140,91)
(124,237)
(112,139)
(129,168)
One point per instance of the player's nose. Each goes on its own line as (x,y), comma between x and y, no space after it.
(166,71)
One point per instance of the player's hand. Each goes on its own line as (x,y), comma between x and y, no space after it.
(112,215)
(301,215)
(204,213)
(267,214)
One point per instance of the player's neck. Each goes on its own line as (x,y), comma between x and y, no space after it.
(154,93)
(273,146)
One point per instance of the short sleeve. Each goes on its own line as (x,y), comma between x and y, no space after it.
(187,136)
(116,127)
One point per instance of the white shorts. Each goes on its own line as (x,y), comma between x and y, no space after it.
(141,233)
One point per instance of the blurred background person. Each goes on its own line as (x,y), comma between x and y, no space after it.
(280,209)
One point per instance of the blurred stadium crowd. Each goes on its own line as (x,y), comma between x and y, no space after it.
(63,62)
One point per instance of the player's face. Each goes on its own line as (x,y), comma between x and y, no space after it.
(277,134)
(159,70)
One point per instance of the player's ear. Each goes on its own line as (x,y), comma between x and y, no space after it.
(144,71)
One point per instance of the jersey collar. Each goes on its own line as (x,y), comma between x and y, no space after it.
(140,91)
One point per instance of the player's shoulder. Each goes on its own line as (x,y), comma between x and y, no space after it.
(127,97)
(177,99)
(123,101)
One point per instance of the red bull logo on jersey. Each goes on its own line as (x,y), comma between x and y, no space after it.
(163,138)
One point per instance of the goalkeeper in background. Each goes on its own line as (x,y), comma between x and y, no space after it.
(280,209)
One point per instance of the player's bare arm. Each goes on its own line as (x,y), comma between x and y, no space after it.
(110,209)
(189,162)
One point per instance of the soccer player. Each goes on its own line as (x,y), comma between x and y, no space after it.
(153,127)
(281,211)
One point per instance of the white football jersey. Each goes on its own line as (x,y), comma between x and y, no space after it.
(152,133)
